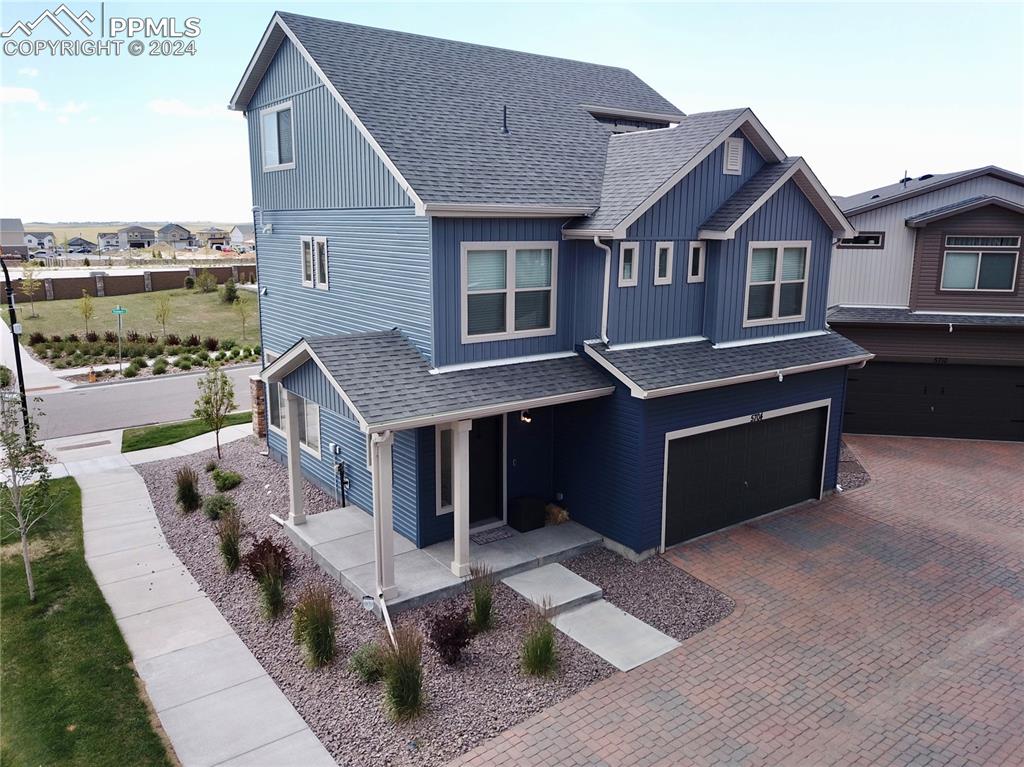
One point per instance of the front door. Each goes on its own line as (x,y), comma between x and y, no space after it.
(485,471)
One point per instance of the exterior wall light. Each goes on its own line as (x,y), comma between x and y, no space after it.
(525,417)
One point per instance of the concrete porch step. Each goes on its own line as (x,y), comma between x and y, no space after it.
(564,588)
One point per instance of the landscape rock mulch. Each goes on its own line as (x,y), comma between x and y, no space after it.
(851,474)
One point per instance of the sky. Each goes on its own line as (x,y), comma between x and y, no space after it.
(863,91)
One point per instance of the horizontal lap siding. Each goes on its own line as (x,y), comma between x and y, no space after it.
(788,215)
(379,264)
(448,236)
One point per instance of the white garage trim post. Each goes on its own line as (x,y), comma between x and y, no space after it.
(751,418)
(460,496)
(383,535)
(296,513)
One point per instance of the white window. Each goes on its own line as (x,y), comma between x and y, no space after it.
(443,448)
(776,283)
(509,290)
(663,257)
(309,418)
(629,264)
(864,240)
(277,137)
(695,263)
(971,241)
(732,157)
(979,270)
(315,264)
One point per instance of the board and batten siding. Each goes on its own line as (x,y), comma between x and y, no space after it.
(869,277)
(926,292)
(335,167)
(787,216)
(379,275)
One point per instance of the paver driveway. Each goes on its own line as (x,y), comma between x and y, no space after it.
(885,626)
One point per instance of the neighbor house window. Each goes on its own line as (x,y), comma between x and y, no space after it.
(695,264)
(864,240)
(663,257)
(776,282)
(629,264)
(443,446)
(277,137)
(970,241)
(309,417)
(979,270)
(314,262)
(508,290)
(732,160)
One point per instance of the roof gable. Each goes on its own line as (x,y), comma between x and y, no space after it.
(963,206)
(887,195)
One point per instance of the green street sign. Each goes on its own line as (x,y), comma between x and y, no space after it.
(119,310)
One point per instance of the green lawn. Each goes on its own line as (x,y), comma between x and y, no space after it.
(169,433)
(201,313)
(67,687)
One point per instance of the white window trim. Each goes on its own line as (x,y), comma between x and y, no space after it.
(631,282)
(280,166)
(690,276)
(315,452)
(977,270)
(1016,241)
(509,290)
(302,261)
(658,246)
(440,510)
(844,245)
(321,281)
(731,142)
(777,293)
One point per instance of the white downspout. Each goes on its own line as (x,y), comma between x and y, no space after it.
(607,285)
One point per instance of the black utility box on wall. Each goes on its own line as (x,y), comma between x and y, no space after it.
(526,513)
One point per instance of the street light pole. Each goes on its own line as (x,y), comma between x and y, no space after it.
(16,335)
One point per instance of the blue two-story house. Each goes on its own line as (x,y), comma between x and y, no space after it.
(490,276)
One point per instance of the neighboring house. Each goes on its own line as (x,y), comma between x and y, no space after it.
(12,238)
(212,237)
(40,240)
(243,237)
(135,236)
(175,235)
(108,241)
(81,245)
(932,285)
(496,294)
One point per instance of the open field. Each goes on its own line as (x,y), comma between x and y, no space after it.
(90,231)
(69,693)
(203,314)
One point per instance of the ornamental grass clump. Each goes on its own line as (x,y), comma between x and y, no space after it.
(226,480)
(229,537)
(449,635)
(187,494)
(367,663)
(269,565)
(313,625)
(481,587)
(539,655)
(403,674)
(217,505)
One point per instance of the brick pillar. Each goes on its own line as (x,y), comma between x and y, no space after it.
(258,394)
(48,288)
(147,282)
(192,272)
(234,274)
(98,276)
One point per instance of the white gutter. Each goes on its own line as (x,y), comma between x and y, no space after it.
(607,285)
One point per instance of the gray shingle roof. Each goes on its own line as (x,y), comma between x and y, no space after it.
(868,315)
(962,206)
(638,163)
(40,235)
(389,381)
(435,107)
(700,365)
(747,195)
(884,195)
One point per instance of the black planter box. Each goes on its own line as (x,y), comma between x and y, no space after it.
(526,514)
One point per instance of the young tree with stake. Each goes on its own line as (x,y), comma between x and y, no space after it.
(86,309)
(29,285)
(216,400)
(243,308)
(163,312)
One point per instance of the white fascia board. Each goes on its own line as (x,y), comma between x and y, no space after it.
(501,362)
(256,57)
(475,210)
(634,388)
(769,339)
(649,344)
(635,114)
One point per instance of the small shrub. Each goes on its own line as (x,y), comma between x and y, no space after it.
(403,673)
(35,337)
(140,362)
(205,282)
(229,537)
(151,339)
(183,365)
(92,336)
(313,625)
(192,340)
(110,337)
(269,565)
(71,338)
(256,349)
(130,372)
(539,655)
(228,343)
(481,587)
(230,293)
(203,356)
(159,370)
(217,505)
(190,283)
(55,338)
(449,634)
(210,466)
(86,262)
(172,339)
(187,482)
(5,377)
(152,350)
(210,344)
(226,480)
(132,336)
(367,663)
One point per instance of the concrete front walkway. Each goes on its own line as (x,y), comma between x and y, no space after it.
(214,700)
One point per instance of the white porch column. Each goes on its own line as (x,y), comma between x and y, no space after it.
(460,495)
(296,514)
(383,534)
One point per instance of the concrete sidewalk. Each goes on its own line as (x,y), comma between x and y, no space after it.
(214,699)
(38,377)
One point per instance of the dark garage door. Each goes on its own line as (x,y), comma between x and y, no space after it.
(722,477)
(967,401)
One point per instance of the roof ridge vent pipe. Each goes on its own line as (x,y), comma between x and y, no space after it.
(504,119)
(607,285)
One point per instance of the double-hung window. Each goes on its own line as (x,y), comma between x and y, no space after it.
(776,282)
(663,257)
(979,270)
(277,137)
(508,290)
(315,265)
(629,264)
(309,418)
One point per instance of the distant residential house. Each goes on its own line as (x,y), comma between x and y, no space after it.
(37,240)
(135,236)
(243,237)
(81,245)
(175,235)
(213,237)
(933,285)
(12,238)
(109,241)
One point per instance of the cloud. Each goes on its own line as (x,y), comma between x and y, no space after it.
(11,94)
(178,108)
(62,119)
(28,72)
(72,108)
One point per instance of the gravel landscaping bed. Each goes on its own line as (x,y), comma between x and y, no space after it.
(655,591)
(851,474)
(482,696)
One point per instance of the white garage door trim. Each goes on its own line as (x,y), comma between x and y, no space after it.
(751,418)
